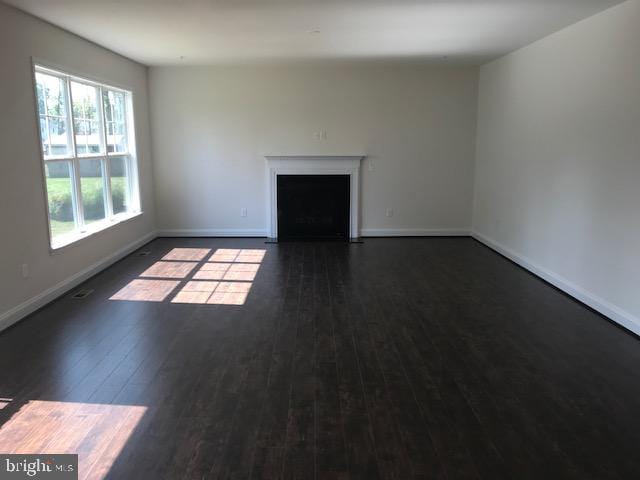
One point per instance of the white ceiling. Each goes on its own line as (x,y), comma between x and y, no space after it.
(160,32)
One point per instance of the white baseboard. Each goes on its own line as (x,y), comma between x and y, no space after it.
(213,232)
(29,306)
(609,310)
(413,232)
(366,232)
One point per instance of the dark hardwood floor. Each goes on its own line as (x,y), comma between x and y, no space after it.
(397,358)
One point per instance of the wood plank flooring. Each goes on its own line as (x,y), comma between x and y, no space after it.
(393,359)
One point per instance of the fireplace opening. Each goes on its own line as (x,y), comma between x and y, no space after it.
(313,207)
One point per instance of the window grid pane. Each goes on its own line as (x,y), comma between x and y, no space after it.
(119,184)
(86,119)
(51,93)
(60,198)
(115,117)
(93,191)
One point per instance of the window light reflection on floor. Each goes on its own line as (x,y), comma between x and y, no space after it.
(213,293)
(187,254)
(227,271)
(76,423)
(146,290)
(169,269)
(234,255)
(225,278)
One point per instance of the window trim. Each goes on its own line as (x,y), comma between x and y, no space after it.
(83,230)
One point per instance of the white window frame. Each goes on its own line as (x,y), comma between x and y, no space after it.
(132,191)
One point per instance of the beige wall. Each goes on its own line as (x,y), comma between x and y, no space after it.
(558,159)
(23,216)
(213,125)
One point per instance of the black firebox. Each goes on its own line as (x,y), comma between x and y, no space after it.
(313,207)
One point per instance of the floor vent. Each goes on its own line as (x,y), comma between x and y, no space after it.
(82,294)
(144,253)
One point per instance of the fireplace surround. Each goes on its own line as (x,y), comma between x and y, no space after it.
(314,165)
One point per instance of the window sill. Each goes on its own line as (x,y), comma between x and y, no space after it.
(71,239)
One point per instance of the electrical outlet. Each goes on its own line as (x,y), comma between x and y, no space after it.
(25,270)
(370,166)
(243,212)
(320,135)
(389,212)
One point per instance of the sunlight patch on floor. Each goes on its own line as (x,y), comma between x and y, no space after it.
(238,255)
(213,293)
(146,290)
(227,271)
(96,432)
(169,269)
(187,254)
(225,278)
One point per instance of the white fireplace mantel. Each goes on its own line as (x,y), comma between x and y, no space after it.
(314,165)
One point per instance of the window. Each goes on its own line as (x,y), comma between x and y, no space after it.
(86,130)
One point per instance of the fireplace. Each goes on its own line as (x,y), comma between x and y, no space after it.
(313,207)
(323,217)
